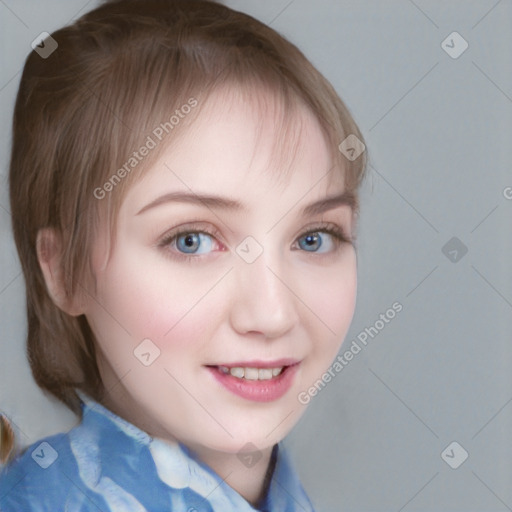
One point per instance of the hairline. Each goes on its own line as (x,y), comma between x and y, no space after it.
(282,104)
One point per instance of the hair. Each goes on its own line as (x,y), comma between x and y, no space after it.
(118,73)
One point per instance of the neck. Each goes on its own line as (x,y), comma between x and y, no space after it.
(250,480)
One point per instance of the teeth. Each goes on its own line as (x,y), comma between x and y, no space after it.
(237,372)
(252,373)
(265,374)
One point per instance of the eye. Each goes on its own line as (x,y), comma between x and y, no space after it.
(190,243)
(314,239)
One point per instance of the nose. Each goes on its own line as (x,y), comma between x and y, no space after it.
(263,301)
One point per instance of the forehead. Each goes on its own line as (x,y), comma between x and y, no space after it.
(243,136)
(271,157)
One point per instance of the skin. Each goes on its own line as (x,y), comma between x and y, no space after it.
(198,313)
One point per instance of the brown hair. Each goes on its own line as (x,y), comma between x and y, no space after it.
(119,72)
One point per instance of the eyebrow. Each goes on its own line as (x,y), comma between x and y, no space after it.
(227,204)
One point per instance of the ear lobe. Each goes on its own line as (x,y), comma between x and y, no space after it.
(49,253)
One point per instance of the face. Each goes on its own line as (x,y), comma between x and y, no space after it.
(212,317)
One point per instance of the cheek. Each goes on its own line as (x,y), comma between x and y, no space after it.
(172,308)
(332,300)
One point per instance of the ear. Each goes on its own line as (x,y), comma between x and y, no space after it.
(49,251)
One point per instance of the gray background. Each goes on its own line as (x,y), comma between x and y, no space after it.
(438,131)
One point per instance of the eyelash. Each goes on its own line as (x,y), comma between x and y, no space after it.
(335,231)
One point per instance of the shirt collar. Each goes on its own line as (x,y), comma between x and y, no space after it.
(178,468)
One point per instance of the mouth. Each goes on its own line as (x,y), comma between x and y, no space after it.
(249,373)
(255,370)
(256,380)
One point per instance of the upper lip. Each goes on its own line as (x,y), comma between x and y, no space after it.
(256,363)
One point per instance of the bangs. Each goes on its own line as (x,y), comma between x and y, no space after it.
(278,114)
(128,80)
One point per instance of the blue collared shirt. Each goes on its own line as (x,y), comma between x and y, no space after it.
(108,464)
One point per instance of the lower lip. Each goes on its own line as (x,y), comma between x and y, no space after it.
(258,390)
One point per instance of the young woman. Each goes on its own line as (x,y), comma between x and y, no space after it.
(184,198)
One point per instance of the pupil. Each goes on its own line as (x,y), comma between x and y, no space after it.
(312,239)
(189,241)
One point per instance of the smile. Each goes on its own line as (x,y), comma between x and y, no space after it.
(256,381)
(252,373)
